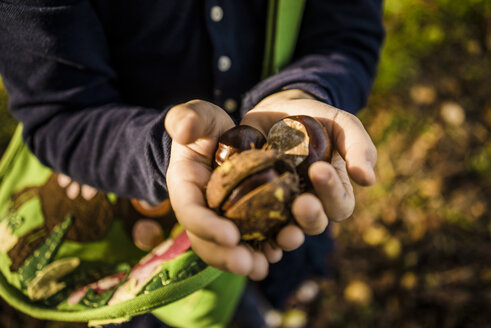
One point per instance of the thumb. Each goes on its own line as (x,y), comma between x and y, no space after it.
(195,119)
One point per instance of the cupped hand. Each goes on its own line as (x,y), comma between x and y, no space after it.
(195,128)
(354,157)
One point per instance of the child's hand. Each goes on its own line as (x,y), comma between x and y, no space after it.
(354,157)
(195,127)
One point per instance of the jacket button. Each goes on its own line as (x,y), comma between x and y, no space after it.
(216,13)
(224,63)
(230,105)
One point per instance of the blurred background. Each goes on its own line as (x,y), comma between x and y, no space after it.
(417,251)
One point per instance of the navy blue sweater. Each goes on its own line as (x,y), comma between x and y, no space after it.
(92,80)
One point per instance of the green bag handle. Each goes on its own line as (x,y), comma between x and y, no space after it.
(110,313)
(283,26)
(284,18)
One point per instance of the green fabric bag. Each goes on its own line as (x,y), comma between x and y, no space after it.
(72,258)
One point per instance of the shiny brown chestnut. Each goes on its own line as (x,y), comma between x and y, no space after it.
(237,139)
(303,140)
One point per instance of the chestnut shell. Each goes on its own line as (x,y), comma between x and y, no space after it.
(263,211)
(303,140)
(236,140)
(238,167)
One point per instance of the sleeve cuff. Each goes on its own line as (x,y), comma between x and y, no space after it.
(287,80)
(336,79)
(312,89)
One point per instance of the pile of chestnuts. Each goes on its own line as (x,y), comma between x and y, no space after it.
(257,178)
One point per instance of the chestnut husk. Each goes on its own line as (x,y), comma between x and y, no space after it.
(262,211)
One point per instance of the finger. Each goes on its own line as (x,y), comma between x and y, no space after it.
(273,254)
(190,121)
(356,147)
(349,136)
(309,214)
(337,197)
(72,190)
(290,237)
(206,224)
(88,192)
(63,180)
(187,200)
(147,234)
(237,259)
(260,266)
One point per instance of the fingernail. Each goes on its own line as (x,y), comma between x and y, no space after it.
(73,190)
(232,237)
(327,177)
(310,218)
(369,164)
(370,174)
(147,234)
(63,180)
(88,192)
(322,175)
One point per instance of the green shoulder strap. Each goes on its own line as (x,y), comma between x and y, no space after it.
(283,25)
